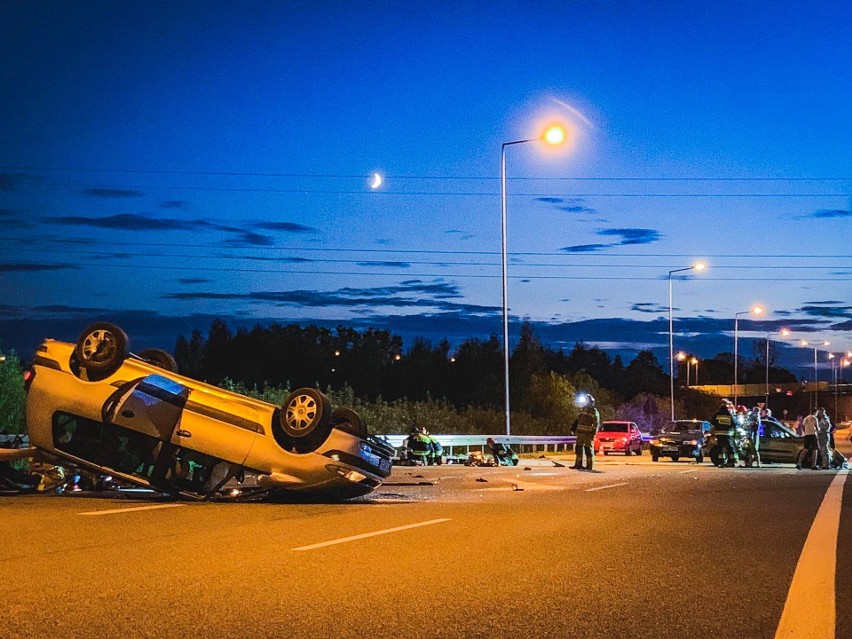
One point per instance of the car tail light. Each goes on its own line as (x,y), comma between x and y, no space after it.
(29,376)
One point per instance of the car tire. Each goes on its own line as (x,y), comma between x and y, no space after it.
(627,451)
(675,458)
(305,411)
(606,453)
(348,420)
(101,349)
(655,458)
(160,359)
(699,459)
(639,450)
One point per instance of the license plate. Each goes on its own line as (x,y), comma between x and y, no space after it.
(384,465)
(670,449)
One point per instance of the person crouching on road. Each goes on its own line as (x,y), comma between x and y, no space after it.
(753,430)
(723,429)
(810,425)
(585,426)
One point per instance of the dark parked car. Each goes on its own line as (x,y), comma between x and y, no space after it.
(681,438)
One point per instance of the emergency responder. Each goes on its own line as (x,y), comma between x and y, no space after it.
(585,426)
(823,437)
(724,428)
(753,431)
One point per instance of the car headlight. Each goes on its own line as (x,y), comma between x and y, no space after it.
(655,442)
(692,442)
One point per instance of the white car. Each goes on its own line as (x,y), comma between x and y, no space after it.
(98,406)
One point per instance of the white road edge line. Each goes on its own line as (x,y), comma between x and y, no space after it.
(386,531)
(810,608)
(591,490)
(691,470)
(96,513)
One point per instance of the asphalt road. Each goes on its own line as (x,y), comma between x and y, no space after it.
(635,549)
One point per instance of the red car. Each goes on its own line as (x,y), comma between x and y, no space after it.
(618,437)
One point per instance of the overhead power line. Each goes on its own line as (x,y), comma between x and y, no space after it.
(113,242)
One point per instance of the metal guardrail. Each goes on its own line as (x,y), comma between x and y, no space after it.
(520,443)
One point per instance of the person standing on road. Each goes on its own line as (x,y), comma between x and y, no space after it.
(810,425)
(824,438)
(585,426)
(753,430)
(723,429)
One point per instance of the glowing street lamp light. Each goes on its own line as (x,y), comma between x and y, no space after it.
(554,135)
(757,310)
(698,266)
(694,362)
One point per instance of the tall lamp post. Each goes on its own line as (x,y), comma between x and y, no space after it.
(554,135)
(757,310)
(816,369)
(693,361)
(698,266)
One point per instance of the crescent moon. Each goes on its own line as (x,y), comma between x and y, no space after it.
(377,181)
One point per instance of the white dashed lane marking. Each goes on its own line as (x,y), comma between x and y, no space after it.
(591,490)
(386,531)
(117,511)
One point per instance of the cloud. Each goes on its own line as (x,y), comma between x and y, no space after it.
(130,222)
(830,213)
(649,307)
(569,205)
(585,248)
(386,264)
(632,236)
(829,312)
(287,227)
(11,181)
(410,294)
(174,204)
(23,267)
(113,193)
(248,237)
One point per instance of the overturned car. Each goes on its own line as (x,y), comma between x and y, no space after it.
(95,405)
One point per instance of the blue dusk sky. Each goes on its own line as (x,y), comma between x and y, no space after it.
(164,163)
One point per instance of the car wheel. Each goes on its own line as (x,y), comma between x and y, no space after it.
(348,420)
(101,349)
(304,412)
(160,358)
(655,458)
(639,450)
(627,451)
(675,458)
(699,459)
(606,453)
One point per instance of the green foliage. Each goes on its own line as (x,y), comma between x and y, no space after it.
(12,396)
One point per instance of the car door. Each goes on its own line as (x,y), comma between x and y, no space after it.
(218,426)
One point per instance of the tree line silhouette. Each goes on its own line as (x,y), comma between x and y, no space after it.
(374,364)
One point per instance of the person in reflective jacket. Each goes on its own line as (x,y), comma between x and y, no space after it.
(753,429)
(724,428)
(585,426)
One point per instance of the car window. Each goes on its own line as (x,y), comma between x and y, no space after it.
(77,436)
(614,428)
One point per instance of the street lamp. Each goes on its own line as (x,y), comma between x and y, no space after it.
(693,361)
(816,374)
(698,266)
(554,135)
(757,310)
